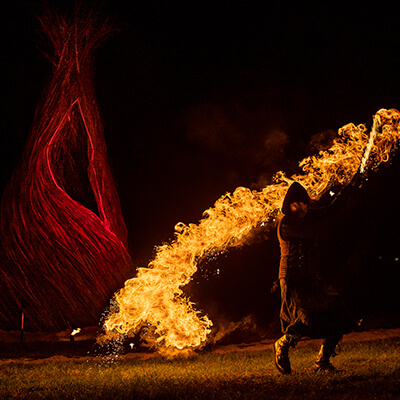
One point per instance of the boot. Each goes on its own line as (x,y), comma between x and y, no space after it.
(322,362)
(281,350)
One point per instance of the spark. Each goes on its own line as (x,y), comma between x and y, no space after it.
(376,122)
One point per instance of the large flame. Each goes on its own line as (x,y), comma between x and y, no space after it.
(153,302)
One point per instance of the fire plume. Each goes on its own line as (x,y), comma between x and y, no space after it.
(153,303)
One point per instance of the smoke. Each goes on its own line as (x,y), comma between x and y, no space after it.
(245,330)
(210,126)
(321,141)
(252,143)
(276,141)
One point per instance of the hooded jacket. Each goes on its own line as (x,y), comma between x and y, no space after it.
(294,234)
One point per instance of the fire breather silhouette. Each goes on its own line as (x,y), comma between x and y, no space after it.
(153,304)
(63,237)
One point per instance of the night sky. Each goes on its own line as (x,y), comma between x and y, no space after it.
(202,98)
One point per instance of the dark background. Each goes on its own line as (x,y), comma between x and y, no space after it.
(201,98)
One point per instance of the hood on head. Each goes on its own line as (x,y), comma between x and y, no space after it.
(295,193)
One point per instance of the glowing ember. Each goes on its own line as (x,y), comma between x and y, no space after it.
(153,304)
(75,331)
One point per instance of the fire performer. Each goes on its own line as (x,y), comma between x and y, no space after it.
(309,308)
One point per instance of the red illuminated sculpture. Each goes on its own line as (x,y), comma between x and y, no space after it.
(63,238)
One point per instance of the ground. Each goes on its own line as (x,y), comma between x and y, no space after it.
(39,347)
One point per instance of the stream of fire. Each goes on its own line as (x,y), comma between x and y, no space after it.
(153,304)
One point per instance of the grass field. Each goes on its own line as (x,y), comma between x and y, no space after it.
(365,370)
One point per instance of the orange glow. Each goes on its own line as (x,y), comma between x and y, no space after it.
(153,303)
